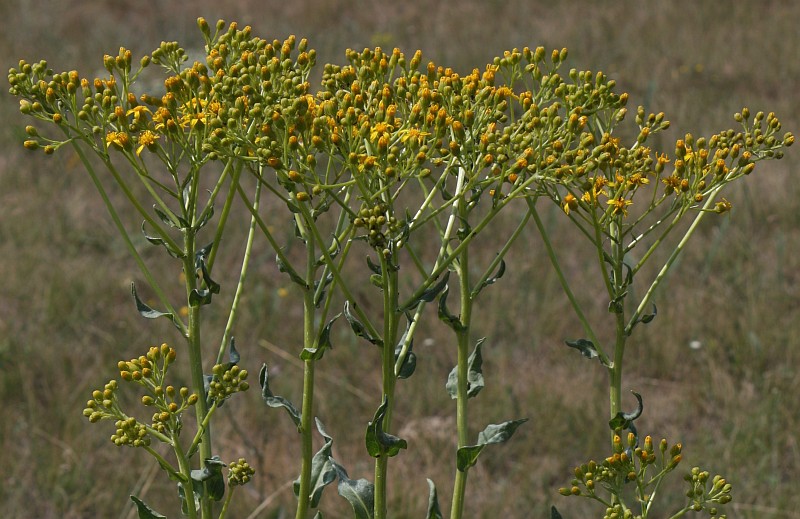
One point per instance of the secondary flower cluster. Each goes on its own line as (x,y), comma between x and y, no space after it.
(148,371)
(240,472)
(629,464)
(226,381)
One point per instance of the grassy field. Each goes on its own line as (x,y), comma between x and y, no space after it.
(66,315)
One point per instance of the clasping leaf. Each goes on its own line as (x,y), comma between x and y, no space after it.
(380,443)
(474,374)
(494,433)
(273,400)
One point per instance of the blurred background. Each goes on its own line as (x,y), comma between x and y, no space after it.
(717,367)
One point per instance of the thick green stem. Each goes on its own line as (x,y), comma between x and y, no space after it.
(186,473)
(307,408)
(617,296)
(462,387)
(390,321)
(193,340)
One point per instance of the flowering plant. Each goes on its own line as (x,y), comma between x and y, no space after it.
(402,163)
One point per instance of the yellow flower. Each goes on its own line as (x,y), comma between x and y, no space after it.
(138,113)
(570,203)
(161,118)
(380,130)
(413,134)
(637,179)
(620,205)
(147,139)
(120,140)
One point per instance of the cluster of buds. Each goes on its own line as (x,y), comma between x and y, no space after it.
(103,403)
(226,380)
(377,224)
(628,462)
(148,371)
(130,432)
(618,512)
(239,472)
(703,497)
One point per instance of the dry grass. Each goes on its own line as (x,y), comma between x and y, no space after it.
(65,314)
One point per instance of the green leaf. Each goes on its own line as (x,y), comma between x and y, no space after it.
(211,476)
(199,297)
(205,217)
(200,262)
(274,400)
(380,443)
(291,272)
(464,231)
(360,494)
(474,374)
(144,511)
(322,470)
(410,361)
(625,420)
(444,314)
(646,318)
(319,295)
(293,208)
(494,433)
(318,515)
(376,280)
(617,305)
(376,269)
(175,253)
(197,492)
(554,513)
(358,327)
(149,313)
(585,346)
(233,355)
(429,294)
(167,220)
(501,269)
(323,343)
(433,503)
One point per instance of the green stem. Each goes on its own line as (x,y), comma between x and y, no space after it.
(617,297)
(128,242)
(502,253)
(226,209)
(463,337)
(551,253)
(390,321)
(186,481)
(307,409)
(224,512)
(662,274)
(193,340)
(242,274)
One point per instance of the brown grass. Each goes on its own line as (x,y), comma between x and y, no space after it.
(66,317)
